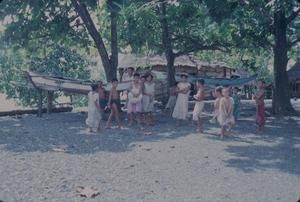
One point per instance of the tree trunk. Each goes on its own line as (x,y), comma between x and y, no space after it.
(90,26)
(114,45)
(167,43)
(281,103)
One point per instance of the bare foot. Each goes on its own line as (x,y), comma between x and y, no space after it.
(107,127)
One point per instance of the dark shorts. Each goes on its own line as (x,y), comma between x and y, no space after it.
(117,102)
(103,103)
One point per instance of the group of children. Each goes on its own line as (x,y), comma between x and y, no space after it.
(140,103)
(226,107)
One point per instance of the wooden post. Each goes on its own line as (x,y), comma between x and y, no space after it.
(40,103)
(49,101)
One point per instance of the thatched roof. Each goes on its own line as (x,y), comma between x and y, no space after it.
(294,72)
(132,60)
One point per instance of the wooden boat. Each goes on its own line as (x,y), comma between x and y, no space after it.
(70,85)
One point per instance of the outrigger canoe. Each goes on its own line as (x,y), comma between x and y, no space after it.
(70,85)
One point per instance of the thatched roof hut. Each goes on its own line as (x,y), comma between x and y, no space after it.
(187,63)
(294,72)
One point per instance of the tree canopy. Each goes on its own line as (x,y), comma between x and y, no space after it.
(247,34)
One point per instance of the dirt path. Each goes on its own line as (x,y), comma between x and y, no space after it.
(47,159)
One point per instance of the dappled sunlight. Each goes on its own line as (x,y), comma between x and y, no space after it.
(276,149)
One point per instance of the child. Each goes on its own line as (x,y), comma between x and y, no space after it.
(260,105)
(183,90)
(199,105)
(172,99)
(128,74)
(225,116)
(114,104)
(102,97)
(148,99)
(135,99)
(218,95)
(237,102)
(94,112)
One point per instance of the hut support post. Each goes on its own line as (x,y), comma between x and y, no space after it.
(40,103)
(49,101)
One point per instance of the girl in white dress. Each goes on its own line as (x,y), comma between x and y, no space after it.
(94,111)
(148,99)
(135,97)
(225,116)
(183,91)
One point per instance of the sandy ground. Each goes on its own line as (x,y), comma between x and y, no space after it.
(173,164)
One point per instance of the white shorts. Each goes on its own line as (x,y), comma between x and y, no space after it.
(197,113)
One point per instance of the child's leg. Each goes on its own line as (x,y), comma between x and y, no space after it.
(138,117)
(199,125)
(90,129)
(151,119)
(99,124)
(146,118)
(260,128)
(143,116)
(116,113)
(231,125)
(223,131)
(108,123)
(130,117)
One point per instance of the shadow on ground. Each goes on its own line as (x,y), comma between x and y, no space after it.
(277,148)
(68,130)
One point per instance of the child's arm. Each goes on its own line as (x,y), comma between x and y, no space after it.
(184,90)
(197,96)
(109,99)
(97,102)
(257,95)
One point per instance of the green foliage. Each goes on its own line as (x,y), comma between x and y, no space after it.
(190,26)
(256,61)
(60,61)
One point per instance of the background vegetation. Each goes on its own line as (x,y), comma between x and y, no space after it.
(60,37)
